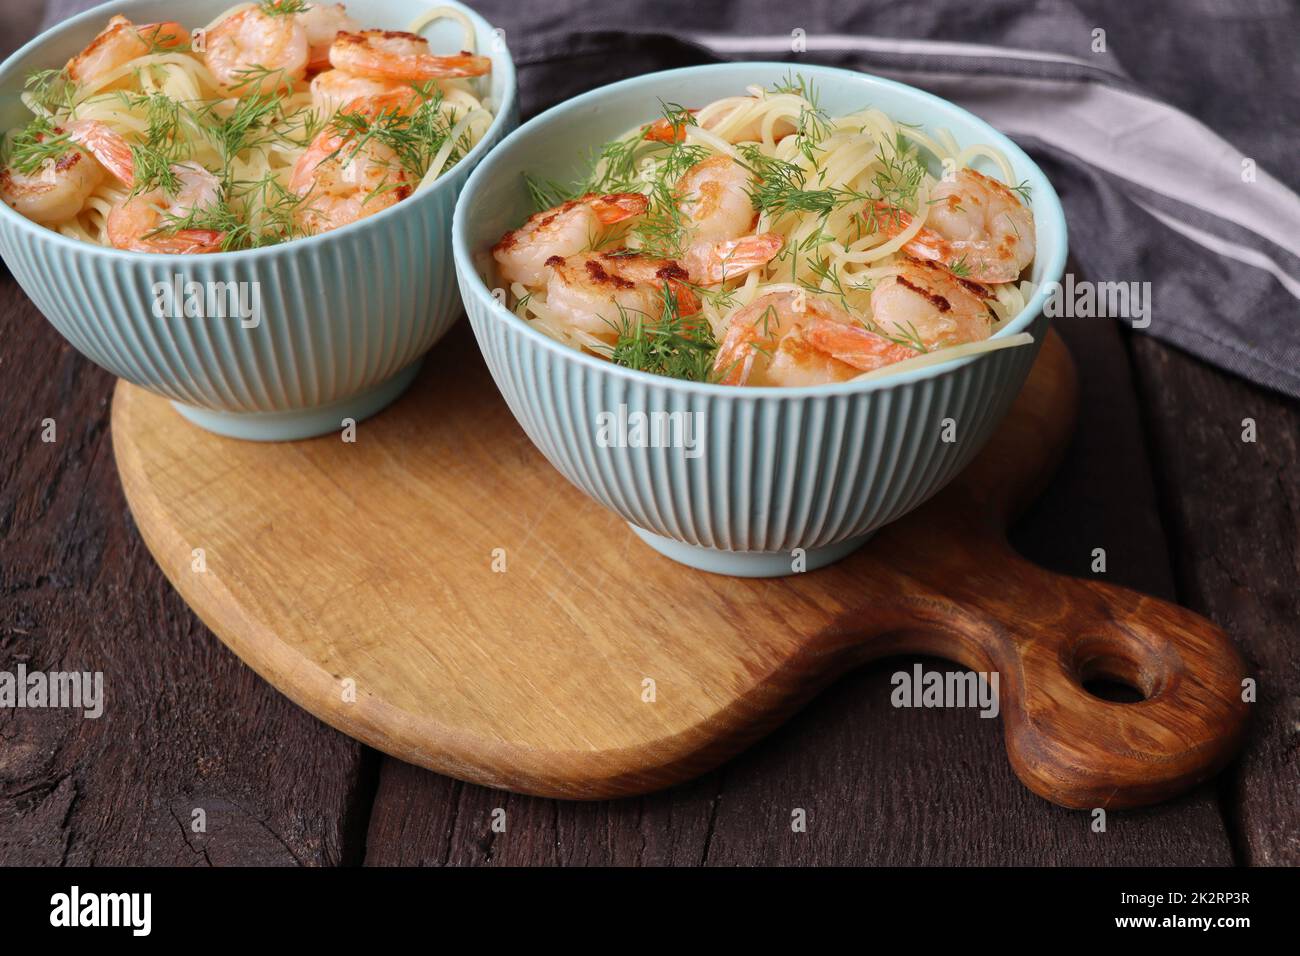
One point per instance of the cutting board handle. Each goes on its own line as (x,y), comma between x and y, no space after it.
(1080,750)
(953,587)
(1047,634)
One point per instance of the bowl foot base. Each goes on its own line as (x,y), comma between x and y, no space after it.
(306,422)
(749,564)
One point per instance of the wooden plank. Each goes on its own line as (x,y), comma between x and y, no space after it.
(185,726)
(878,785)
(1233,510)
(422,819)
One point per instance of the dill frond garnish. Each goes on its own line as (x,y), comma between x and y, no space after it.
(546,193)
(618,160)
(283,8)
(248,215)
(897,183)
(39,142)
(673,345)
(662,230)
(415,137)
(253,78)
(814,124)
(163,145)
(160,42)
(51,90)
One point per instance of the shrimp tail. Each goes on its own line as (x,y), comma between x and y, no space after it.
(191,241)
(735,358)
(711,263)
(891,220)
(615,207)
(110,149)
(854,345)
(664,130)
(459,65)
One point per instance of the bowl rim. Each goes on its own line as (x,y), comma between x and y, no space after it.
(1053,269)
(505,109)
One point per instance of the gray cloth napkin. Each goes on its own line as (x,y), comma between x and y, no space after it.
(1171,134)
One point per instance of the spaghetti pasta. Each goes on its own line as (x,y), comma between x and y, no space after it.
(294,144)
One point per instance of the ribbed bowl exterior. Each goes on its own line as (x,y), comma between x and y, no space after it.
(774,473)
(774,469)
(340,313)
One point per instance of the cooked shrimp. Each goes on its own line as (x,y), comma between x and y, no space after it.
(974,221)
(54,193)
(323,23)
(719,218)
(342,180)
(121,42)
(561,232)
(334,88)
(788,338)
(926,302)
(139,222)
(713,196)
(598,292)
(251,51)
(59,189)
(392,55)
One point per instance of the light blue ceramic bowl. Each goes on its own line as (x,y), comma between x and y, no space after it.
(781,479)
(344,317)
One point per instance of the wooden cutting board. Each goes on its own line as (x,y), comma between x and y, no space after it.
(364,580)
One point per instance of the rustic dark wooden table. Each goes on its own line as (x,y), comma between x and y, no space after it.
(1158,475)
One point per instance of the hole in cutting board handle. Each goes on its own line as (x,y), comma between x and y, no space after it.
(1117,671)
(1113,691)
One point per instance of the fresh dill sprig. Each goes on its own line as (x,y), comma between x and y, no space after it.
(251,79)
(301,126)
(414,137)
(39,142)
(546,193)
(781,187)
(814,124)
(620,172)
(160,42)
(907,336)
(162,147)
(51,90)
(898,180)
(248,215)
(283,8)
(677,118)
(1022,190)
(248,125)
(672,345)
(219,216)
(662,230)
(826,275)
